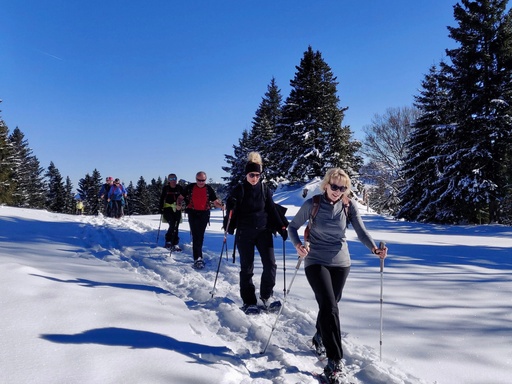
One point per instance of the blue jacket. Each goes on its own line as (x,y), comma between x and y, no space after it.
(116,192)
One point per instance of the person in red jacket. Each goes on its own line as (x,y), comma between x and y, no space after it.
(199,197)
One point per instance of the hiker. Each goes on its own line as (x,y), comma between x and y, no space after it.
(117,196)
(254,213)
(170,207)
(327,259)
(103,195)
(199,198)
(79,207)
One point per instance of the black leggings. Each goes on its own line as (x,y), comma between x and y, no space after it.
(327,283)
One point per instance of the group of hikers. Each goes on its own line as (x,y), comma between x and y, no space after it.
(113,197)
(256,218)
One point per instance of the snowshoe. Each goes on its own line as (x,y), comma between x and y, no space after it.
(333,371)
(175,248)
(271,304)
(168,245)
(250,309)
(198,264)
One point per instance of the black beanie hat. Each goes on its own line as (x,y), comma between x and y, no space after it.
(253,167)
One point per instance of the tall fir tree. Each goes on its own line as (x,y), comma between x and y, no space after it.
(141,199)
(88,189)
(155,190)
(56,200)
(310,137)
(479,82)
(423,161)
(259,138)
(27,173)
(7,164)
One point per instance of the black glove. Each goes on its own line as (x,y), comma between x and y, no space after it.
(284,233)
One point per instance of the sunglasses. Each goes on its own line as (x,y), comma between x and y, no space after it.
(173,179)
(253,175)
(335,187)
(200,180)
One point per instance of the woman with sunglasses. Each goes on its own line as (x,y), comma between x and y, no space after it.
(327,259)
(256,219)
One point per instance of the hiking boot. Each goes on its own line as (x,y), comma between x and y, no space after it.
(333,371)
(175,248)
(318,345)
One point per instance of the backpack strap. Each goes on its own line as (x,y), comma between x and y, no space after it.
(312,215)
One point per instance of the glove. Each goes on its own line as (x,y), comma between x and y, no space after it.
(284,233)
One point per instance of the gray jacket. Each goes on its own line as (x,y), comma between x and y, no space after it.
(328,241)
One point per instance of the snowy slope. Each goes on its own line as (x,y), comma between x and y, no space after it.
(91,299)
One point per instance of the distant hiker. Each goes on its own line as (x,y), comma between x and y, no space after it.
(327,260)
(255,218)
(170,207)
(103,195)
(117,196)
(198,199)
(79,207)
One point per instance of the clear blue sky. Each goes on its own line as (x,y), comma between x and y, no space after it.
(145,88)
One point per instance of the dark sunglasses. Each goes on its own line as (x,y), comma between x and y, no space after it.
(253,175)
(335,187)
(173,179)
(200,181)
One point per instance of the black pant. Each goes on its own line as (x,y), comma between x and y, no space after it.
(198,220)
(327,283)
(173,219)
(246,240)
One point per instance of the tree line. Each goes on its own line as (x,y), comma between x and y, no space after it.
(446,159)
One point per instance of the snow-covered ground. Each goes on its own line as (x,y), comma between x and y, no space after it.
(93,300)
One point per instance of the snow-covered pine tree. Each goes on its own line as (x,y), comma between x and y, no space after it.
(7,186)
(423,161)
(27,173)
(310,136)
(479,82)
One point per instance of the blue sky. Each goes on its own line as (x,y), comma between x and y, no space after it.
(145,88)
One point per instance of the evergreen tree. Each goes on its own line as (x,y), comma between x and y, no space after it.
(479,81)
(130,206)
(310,138)
(27,173)
(236,163)
(260,139)
(69,200)
(141,199)
(88,189)
(155,190)
(423,161)
(7,164)
(56,195)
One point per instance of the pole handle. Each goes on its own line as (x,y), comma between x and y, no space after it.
(382,245)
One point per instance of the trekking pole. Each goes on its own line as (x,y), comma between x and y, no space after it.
(159,225)
(282,306)
(382,245)
(284,269)
(224,245)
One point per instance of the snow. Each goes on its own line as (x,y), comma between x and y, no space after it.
(93,300)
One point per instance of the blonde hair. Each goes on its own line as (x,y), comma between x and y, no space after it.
(254,157)
(335,174)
